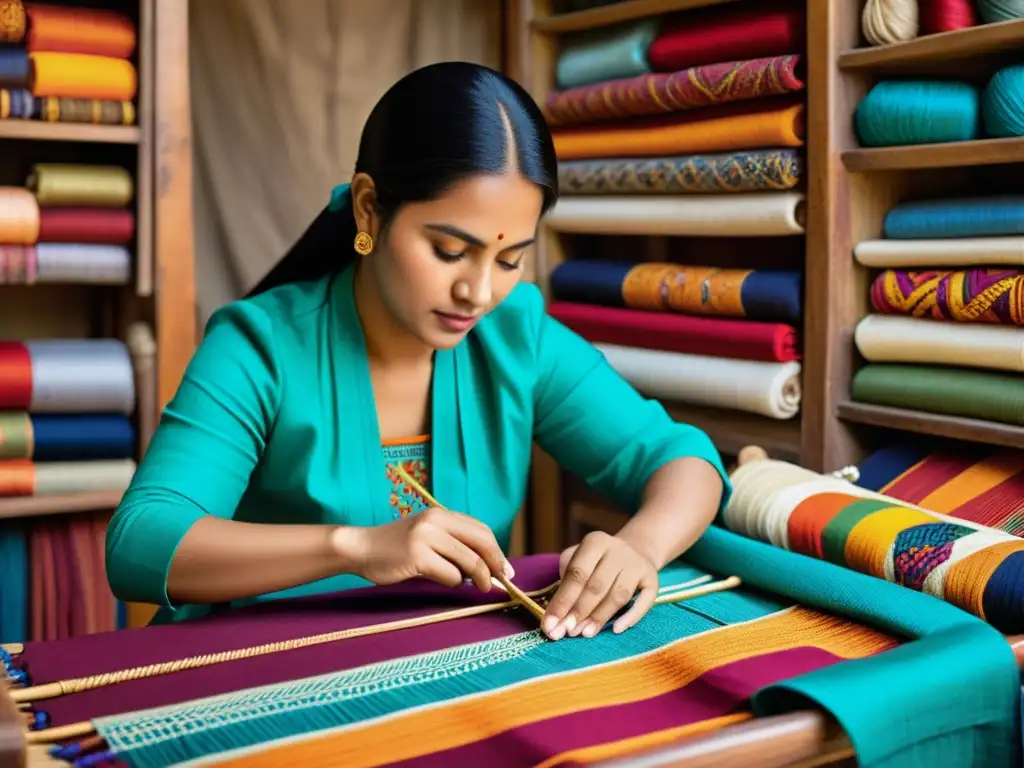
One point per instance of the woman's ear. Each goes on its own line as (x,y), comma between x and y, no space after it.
(364,205)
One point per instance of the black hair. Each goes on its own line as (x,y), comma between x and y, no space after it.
(433,128)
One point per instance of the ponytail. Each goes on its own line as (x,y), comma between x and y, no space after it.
(324,248)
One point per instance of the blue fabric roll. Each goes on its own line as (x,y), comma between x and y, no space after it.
(13,66)
(78,437)
(994,216)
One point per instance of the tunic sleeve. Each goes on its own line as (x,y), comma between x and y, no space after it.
(594,423)
(199,462)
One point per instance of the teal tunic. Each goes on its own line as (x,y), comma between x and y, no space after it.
(275,422)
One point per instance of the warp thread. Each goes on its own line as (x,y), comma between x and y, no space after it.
(901,112)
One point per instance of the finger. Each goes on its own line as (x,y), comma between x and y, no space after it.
(577,573)
(643,603)
(620,593)
(602,582)
(564,559)
(480,539)
(436,568)
(462,557)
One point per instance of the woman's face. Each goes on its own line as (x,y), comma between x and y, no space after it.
(448,262)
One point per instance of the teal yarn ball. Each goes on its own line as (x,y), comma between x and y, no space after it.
(1000,10)
(1002,103)
(900,112)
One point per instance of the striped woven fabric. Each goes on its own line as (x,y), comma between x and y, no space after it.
(416,697)
(971,566)
(980,485)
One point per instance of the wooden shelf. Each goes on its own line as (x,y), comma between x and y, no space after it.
(939,48)
(732,430)
(937,425)
(36,130)
(626,10)
(58,504)
(946,155)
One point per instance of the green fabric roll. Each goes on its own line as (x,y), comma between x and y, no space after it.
(963,392)
(948,697)
(606,54)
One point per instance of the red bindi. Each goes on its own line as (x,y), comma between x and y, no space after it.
(501,236)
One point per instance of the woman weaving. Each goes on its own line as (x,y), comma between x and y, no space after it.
(397,332)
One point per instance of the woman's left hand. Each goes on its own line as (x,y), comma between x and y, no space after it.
(599,576)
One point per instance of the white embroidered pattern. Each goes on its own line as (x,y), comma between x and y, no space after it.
(151,727)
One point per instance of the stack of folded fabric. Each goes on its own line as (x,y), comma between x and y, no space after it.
(64,429)
(69,224)
(687,125)
(66,64)
(947,334)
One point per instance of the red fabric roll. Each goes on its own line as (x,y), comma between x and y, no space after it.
(15,376)
(86,225)
(714,337)
(946,15)
(748,33)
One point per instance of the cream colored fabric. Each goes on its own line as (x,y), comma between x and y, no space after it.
(280,92)
(938,254)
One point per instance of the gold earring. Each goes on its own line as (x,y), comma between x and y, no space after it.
(363,244)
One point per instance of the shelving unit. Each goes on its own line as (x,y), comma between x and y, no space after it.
(154,312)
(559,512)
(863,184)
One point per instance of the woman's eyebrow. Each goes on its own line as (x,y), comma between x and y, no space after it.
(447,229)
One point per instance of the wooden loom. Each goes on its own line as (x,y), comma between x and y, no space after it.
(799,739)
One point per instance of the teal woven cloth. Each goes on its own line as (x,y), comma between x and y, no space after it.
(606,54)
(948,697)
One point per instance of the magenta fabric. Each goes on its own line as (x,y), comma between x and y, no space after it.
(270,622)
(722,691)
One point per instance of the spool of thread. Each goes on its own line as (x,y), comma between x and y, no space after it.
(889,21)
(1002,103)
(946,15)
(1000,10)
(896,113)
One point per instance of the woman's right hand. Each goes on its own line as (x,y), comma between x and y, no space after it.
(435,544)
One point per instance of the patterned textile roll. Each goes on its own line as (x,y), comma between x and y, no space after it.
(753,171)
(59,437)
(80,30)
(82,76)
(66,376)
(17,265)
(83,263)
(19,216)
(654,94)
(13,23)
(105,226)
(67,184)
(14,67)
(17,103)
(769,295)
(966,296)
(975,568)
(56,109)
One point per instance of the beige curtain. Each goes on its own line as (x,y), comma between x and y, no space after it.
(281,89)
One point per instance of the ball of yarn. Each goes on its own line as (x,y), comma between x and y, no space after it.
(901,112)
(1002,103)
(889,21)
(1000,10)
